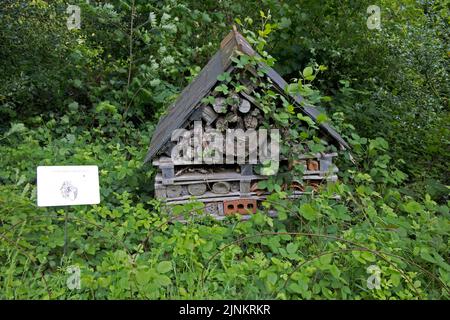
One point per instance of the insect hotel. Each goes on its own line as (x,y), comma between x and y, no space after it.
(197,145)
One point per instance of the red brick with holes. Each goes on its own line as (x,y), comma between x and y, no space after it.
(241,206)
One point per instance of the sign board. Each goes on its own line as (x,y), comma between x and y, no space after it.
(67,186)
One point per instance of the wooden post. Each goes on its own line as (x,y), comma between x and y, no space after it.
(326,163)
(246,169)
(244,187)
(167,170)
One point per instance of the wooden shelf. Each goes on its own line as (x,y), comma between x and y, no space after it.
(192,178)
(211,177)
(165,160)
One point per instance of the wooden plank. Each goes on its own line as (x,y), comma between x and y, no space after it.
(167,170)
(317,155)
(321,172)
(326,165)
(244,187)
(317,177)
(210,178)
(168,175)
(156,162)
(212,197)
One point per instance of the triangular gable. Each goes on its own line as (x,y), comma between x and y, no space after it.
(180,111)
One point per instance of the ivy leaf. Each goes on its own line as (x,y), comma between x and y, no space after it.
(325,259)
(369,256)
(155,82)
(395,279)
(294,287)
(162,280)
(164,266)
(335,272)
(413,207)
(262,184)
(222,88)
(321,118)
(143,277)
(272,278)
(292,248)
(225,77)
(300,287)
(77,83)
(307,119)
(208,100)
(308,212)
(73,106)
(307,72)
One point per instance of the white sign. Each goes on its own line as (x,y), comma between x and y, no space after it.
(67,186)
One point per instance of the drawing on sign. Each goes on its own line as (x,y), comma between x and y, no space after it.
(67,185)
(69,191)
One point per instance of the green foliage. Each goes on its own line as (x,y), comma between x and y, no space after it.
(391,83)
(317,248)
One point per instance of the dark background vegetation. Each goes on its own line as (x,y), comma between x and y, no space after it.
(94,96)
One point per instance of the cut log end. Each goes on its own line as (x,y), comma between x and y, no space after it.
(220,105)
(244,106)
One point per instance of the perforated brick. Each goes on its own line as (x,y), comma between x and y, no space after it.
(242,206)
